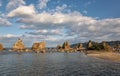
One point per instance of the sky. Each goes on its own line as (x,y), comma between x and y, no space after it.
(56,21)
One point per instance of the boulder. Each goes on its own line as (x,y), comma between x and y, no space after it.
(39,47)
(18,45)
(1,47)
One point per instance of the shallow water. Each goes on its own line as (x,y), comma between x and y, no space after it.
(55,64)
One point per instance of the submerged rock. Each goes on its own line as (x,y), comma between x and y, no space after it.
(39,47)
(18,45)
(1,47)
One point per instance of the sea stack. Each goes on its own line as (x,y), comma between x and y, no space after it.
(89,44)
(80,46)
(18,45)
(1,46)
(66,46)
(39,47)
(106,47)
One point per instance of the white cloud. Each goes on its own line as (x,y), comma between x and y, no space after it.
(12,4)
(22,11)
(42,4)
(71,26)
(4,21)
(60,8)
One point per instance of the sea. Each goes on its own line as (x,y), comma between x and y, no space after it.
(55,64)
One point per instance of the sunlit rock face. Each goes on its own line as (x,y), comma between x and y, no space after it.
(39,47)
(1,47)
(89,44)
(106,46)
(66,46)
(80,46)
(18,45)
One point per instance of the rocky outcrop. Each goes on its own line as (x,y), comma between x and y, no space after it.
(18,45)
(80,46)
(39,47)
(66,46)
(89,44)
(106,46)
(1,47)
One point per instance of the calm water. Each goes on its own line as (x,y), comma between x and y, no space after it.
(55,64)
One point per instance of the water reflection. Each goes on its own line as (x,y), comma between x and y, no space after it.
(55,64)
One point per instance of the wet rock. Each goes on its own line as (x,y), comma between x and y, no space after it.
(1,47)
(39,47)
(18,46)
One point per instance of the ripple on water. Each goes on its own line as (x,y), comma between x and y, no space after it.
(56,64)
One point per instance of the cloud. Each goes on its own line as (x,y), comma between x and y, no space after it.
(12,4)
(59,26)
(4,21)
(21,11)
(42,4)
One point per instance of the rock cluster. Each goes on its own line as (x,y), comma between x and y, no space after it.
(66,46)
(106,46)
(18,45)
(80,46)
(39,47)
(1,47)
(89,44)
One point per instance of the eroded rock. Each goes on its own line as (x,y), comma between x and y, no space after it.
(39,47)
(1,47)
(18,46)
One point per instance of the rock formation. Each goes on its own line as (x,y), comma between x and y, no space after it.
(18,45)
(80,46)
(1,47)
(59,48)
(105,46)
(66,46)
(89,44)
(39,47)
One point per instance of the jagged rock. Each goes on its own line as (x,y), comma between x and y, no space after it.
(80,46)
(89,45)
(1,47)
(105,46)
(18,46)
(39,47)
(59,46)
(66,46)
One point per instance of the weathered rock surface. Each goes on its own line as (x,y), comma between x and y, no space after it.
(66,46)
(80,46)
(39,47)
(1,47)
(89,44)
(18,45)
(106,46)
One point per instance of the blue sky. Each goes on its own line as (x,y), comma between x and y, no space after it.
(56,21)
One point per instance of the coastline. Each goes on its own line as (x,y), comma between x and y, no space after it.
(112,56)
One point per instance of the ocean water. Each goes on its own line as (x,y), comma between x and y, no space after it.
(55,64)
